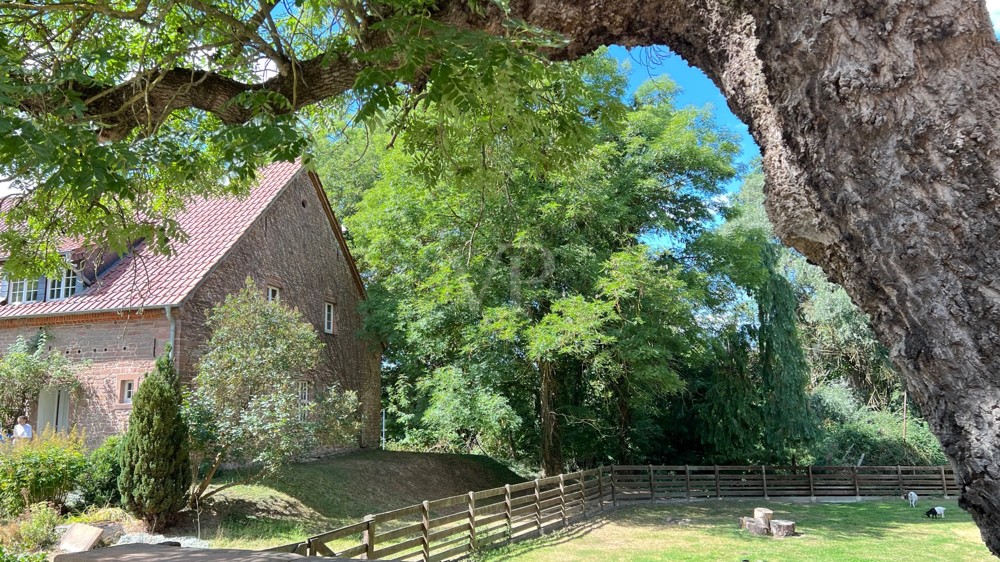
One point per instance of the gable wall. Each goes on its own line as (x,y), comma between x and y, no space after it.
(115,346)
(293,247)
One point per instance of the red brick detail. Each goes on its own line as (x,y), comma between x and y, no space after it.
(114,347)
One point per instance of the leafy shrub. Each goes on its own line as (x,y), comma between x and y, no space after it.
(850,430)
(44,469)
(99,484)
(37,527)
(11,556)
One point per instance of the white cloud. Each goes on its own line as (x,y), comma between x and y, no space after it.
(993,7)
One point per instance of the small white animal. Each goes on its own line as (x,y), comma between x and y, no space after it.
(912,498)
(935,512)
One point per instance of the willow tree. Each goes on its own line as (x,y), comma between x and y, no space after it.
(876,121)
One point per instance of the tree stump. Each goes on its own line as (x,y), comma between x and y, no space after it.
(745,522)
(762,519)
(763,514)
(782,528)
(756,528)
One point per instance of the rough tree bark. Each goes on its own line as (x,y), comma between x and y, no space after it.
(877,122)
(552,459)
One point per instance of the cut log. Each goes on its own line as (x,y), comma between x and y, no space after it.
(782,528)
(756,528)
(745,521)
(763,514)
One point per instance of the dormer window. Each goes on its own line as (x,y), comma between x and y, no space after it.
(63,286)
(23,290)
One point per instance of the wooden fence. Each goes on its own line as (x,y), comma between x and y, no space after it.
(450,528)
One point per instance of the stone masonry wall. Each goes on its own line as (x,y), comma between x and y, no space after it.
(291,246)
(116,346)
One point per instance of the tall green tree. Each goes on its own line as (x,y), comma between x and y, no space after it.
(526,284)
(155,460)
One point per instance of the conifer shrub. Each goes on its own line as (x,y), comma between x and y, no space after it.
(43,469)
(155,465)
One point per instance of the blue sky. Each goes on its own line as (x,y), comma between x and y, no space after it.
(696,89)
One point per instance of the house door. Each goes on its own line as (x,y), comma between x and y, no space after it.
(53,410)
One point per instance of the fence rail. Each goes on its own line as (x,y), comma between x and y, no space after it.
(449,528)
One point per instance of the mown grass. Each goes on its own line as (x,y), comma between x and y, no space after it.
(310,498)
(708,531)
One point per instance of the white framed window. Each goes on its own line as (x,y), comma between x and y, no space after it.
(62,287)
(126,392)
(273,293)
(328,318)
(305,394)
(23,290)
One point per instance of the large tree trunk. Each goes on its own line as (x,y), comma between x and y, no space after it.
(552,459)
(878,121)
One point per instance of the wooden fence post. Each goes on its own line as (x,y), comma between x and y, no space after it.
(562,497)
(857,489)
(425,528)
(687,482)
(652,489)
(614,487)
(899,476)
(538,508)
(718,490)
(763,478)
(600,487)
(369,537)
(812,491)
(944,483)
(507,509)
(472,520)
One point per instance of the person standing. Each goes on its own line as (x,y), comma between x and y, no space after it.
(23,429)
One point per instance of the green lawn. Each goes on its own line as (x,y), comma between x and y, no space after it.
(310,498)
(867,531)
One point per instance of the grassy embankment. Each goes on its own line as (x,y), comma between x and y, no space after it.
(313,497)
(708,532)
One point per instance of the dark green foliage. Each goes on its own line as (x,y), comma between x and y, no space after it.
(99,483)
(850,430)
(155,466)
(43,469)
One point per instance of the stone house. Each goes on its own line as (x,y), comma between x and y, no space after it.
(118,313)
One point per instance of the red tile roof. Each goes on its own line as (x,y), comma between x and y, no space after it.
(143,279)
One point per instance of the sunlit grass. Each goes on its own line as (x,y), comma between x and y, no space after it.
(867,531)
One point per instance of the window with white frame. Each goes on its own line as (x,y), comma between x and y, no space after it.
(305,393)
(23,290)
(273,293)
(126,391)
(328,318)
(64,286)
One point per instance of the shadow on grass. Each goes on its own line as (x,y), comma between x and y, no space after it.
(314,497)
